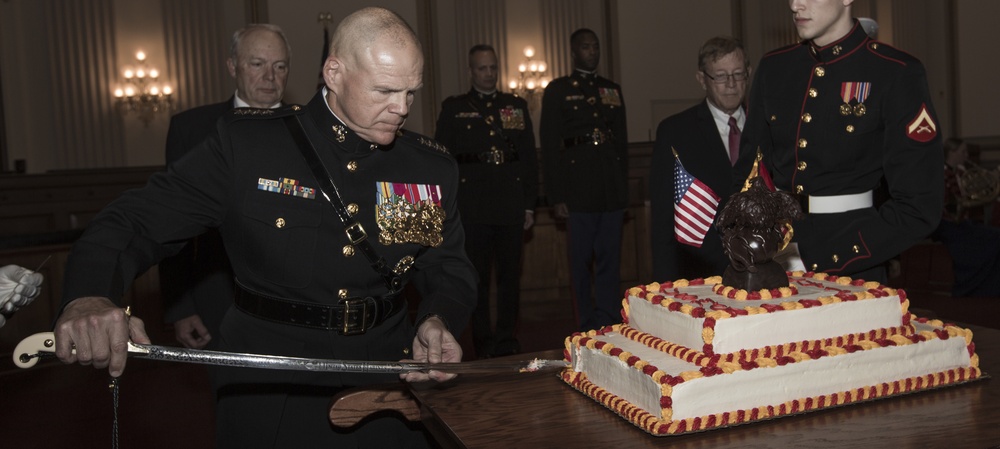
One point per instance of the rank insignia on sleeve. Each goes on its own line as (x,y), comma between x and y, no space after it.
(467,115)
(409,213)
(286,186)
(512,118)
(922,128)
(610,96)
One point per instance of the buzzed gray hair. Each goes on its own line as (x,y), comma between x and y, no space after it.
(368,24)
(253,27)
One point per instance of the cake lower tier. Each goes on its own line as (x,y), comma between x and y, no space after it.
(666,395)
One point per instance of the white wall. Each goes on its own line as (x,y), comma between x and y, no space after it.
(659,54)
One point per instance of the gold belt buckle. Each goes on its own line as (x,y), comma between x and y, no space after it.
(351,307)
(495,157)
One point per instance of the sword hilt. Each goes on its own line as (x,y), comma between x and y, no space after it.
(29,350)
(43,344)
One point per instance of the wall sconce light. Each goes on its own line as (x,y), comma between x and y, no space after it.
(531,79)
(140,93)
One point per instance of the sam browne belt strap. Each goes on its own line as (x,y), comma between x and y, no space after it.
(355,232)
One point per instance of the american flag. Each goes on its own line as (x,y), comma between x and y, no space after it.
(695,205)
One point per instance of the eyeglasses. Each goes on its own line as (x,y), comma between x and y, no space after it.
(725,77)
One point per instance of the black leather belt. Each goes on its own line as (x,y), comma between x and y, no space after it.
(487,157)
(803,201)
(349,316)
(595,138)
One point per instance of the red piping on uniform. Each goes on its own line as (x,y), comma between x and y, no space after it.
(848,262)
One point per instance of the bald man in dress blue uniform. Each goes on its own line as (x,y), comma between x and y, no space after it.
(304,284)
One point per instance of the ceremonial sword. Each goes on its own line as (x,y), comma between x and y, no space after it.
(31,349)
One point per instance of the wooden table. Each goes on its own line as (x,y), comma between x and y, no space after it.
(540,410)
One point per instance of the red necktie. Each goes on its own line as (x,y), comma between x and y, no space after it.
(734,140)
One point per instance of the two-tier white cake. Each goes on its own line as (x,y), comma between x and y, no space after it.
(698,355)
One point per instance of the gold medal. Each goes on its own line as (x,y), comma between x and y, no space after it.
(845,109)
(860,109)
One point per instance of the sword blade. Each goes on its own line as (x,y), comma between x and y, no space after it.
(27,352)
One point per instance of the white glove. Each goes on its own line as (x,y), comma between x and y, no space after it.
(18,287)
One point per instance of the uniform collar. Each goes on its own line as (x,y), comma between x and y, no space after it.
(583,74)
(483,99)
(333,129)
(485,96)
(241,103)
(842,47)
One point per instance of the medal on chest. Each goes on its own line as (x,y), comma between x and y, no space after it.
(409,213)
(854,90)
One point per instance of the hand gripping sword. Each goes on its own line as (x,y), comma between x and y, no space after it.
(31,349)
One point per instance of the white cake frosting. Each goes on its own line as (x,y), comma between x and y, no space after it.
(736,333)
(671,368)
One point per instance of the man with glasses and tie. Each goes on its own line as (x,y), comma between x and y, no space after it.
(706,140)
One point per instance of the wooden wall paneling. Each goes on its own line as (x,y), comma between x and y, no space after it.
(61,201)
(42,208)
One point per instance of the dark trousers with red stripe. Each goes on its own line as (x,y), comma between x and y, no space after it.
(595,249)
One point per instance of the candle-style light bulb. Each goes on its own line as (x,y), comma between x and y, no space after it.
(140,56)
(521,68)
(153,73)
(167,90)
(154,91)
(129,92)
(542,67)
(534,67)
(529,51)
(512,84)
(140,73)
(119,93)
(129,74)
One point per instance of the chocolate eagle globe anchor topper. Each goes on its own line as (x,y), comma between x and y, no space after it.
(754,225)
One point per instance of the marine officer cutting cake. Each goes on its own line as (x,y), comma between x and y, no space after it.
(327,211)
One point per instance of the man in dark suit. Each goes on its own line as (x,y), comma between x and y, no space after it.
(585,155)
(706,138)
(197,283)
(490,134)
